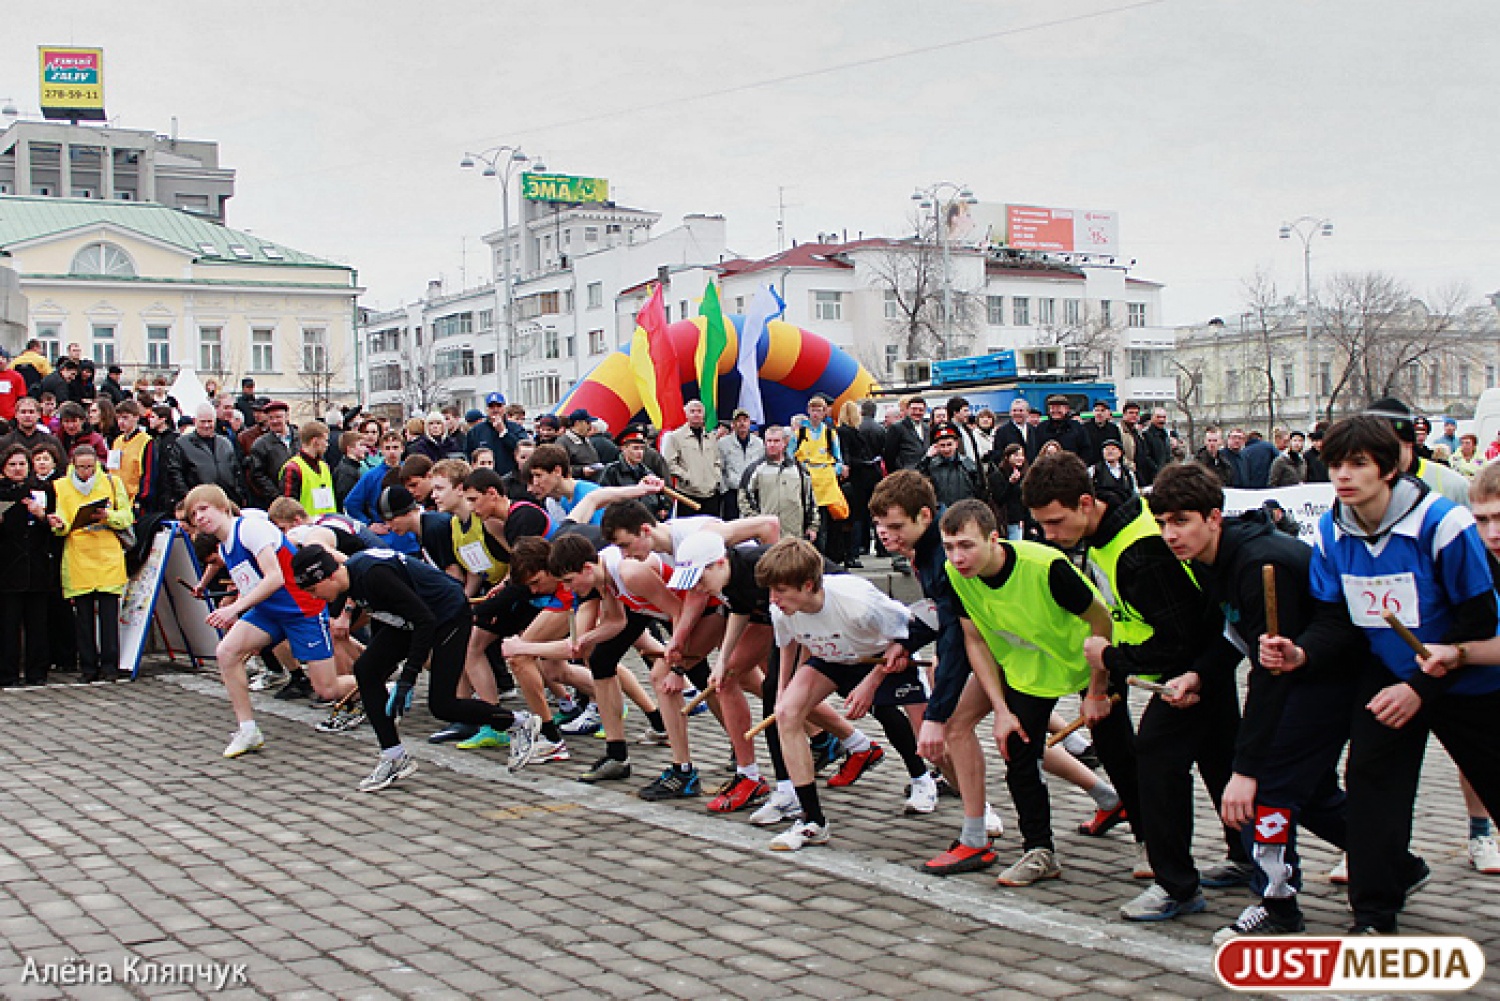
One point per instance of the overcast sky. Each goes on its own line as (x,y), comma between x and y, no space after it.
(1204,123)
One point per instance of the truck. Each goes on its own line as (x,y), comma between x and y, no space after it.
(994,381)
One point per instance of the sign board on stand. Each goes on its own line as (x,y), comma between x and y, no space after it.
(154,594)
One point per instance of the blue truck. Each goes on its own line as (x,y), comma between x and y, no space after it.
(994,381)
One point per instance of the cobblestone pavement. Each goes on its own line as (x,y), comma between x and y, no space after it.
(124,837)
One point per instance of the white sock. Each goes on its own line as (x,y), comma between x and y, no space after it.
(392,753)
(248,727)
(751,772)
(784,788)
(1104,795)
(856,742)
(521,717)
(1075,743)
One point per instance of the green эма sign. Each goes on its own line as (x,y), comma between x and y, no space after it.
(563,188)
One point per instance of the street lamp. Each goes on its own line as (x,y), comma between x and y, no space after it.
(501,162)
(1306,227)
(931,197)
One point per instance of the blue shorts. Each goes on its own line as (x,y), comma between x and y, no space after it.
(308,636)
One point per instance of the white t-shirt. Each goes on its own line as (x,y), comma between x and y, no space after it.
(681,528)
(858,621)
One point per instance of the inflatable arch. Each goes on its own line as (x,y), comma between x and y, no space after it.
(793,364)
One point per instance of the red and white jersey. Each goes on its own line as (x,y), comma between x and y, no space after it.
(610,558)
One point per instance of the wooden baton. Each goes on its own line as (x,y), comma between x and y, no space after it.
(1155,687)
(1411,640)
(760,728)
(698,700)
(1268,582)
(1073,727)
(683,499)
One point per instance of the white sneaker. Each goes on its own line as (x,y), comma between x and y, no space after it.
(1035,865)
(777,810)
(994,827)
(244,742)
(923,798)
(1484,856)
(550,750)
(585,724)
(523,742)
(389,770)
(799,834)
(654,738)
(1142,868)
(1340,873)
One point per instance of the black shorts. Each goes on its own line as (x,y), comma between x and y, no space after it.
(904,689)
(604,660)
(508,613)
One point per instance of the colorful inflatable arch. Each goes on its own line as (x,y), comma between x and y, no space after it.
(794,364)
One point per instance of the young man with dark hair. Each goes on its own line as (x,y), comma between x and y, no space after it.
(1162,620)
(1025,612)
(1295,723)
(1392,544)
(847,636)
(549,471)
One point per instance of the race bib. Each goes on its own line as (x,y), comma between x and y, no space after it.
(246,576)
(40,496)
(114,459)
(1369,598)
(475,558)
(323,498)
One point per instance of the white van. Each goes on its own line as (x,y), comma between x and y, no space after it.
(1486,418)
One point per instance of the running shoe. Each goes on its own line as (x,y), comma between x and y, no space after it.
(268,679)
(487,736)
(944,787)
(671,784)
(960,858)
(855,766)
(994,827)
(388,771)
(1103,822)
(799,835)
(923,798)
(689,694)
(453,732)
(654,738)
(1223,875)
(585,724)
(1156,904)
(1339,874)
(738,793)
(1036,865)
(524,737)
(343,718)
(300,687)
(1142,868)
(244,742)
(550,750)
(1484,856)
(1258,920)
(606,769)
(563,716)
(780,808)
(825,750)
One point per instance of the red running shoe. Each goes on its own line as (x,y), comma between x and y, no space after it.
(960,858)
(738,793)
(856,764)
(1103,822)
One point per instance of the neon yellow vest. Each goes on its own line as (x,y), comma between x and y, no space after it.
(474,534)
(314,480)
(1130,628)
(1038,644)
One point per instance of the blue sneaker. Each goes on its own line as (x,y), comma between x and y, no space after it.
(487,736)
(1156,904)
(689,694)
(672,784)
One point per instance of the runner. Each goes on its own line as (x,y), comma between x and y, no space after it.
(1025,611)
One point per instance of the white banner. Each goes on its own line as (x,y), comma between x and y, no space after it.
(1305,503)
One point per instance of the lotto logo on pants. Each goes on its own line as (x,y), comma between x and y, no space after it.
(1272,824)
(1398,963)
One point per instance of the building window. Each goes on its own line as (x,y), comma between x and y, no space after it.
(567,301)
(1137,314)
(1072,312)
(994,310)
(1046,312)
(453,325)
(1463,381)
(1040,359)
(104,345)
(1231,385)
(1489,374)
(263,349)
(1325,379)
(892,305)
(1140,364)
(1106,312)
(50,334)
(1020,310)
(159,348)
(1288,379)
(572,345)
(682,312)
(486,319)
(892,356)
(551,348)
(591,234)
(597,345)
(211,349)
(314,349)
(596,295)
(739,304)
(1435,382)
(103,259)
(1107,365)
(828,305)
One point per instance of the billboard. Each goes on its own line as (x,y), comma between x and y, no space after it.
(563,188)
(1065,231)
(72,83)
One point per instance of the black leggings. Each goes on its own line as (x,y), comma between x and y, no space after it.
(768,711)
(897,726)
(604,661)
(389,646)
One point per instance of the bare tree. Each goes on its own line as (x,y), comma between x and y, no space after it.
(1265,324)
(1085,345)
(1190,394)
(910,273)
(424,385)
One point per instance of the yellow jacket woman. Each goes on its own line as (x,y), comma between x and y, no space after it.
(93,558)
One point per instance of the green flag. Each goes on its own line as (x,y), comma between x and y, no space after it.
(711,347)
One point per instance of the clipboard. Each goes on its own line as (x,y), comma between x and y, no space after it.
(83,517)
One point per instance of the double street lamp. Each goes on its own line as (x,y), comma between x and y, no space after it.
(502,162)
(931,197)
(1306,227)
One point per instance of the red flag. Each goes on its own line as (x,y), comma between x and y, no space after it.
(654,361)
